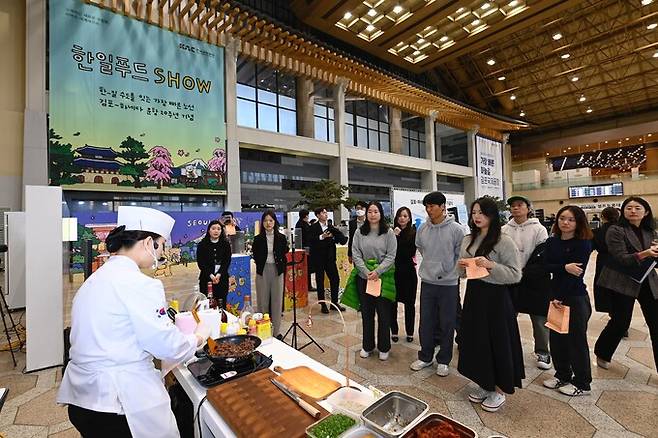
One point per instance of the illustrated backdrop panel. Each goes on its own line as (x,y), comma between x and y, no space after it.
(133,106)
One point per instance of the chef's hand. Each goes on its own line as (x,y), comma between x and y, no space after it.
(202,333)
(484,262)
(574,269)
(373,275)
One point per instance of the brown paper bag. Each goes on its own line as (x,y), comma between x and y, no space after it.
(230,229)
(374,287)
(473,271)
(558,318)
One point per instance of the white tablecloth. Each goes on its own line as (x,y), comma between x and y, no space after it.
(212,424)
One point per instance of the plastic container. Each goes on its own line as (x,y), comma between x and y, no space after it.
(435,419)
(342,435)
(362,432)
(350,401)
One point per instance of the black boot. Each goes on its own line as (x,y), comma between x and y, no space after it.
(324,308)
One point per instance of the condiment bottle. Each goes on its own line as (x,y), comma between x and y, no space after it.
(246,312)
(253,327)
(211,298)
(174,305)
(223,328)
(222,312)
(265,327)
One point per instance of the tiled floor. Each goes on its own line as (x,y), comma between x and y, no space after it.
(623,403)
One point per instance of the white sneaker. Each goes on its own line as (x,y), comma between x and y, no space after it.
(383,356)
(418,365)
(442,370)
(493,402)
(543,362)
(364,354)
(478,395)
(572,391)
(555,383)
(602,363)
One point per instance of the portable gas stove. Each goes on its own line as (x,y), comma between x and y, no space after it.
(209,374)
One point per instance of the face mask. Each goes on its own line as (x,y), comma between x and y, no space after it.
(360,213)
(153,254)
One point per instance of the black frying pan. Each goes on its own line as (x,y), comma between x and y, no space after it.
(233,360)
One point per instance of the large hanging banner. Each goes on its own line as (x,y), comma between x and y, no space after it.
(489,168)
(413,199)
(133,107)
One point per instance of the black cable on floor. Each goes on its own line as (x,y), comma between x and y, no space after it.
(198,414)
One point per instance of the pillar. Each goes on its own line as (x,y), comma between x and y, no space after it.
(304,98)
(507,167)
(471,192)
(395,130)
(428,177)
(233,188)
(338,166)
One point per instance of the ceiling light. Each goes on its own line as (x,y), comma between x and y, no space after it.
(491,61)
(655,55)
(370,28)
(565,56)
(627,138)
(511,5)
(421,40)
(582,99)
(347,15)
(546,153)
(372,12)
(652,26)
(486,6)
(575,79)
(397,9)
(648,135)
(646,2)
(501,78)
(522,114)
(475,22)
(443,39)
(513,97)
(460,10)
(417,52)
(606,142)
(589,110)
(557,36)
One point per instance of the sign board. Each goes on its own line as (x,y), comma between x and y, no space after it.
(489,168)
(413,199)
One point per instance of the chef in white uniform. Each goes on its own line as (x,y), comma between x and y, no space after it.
(119,324)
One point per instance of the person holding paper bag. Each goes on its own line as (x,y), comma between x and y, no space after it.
(490,351)
(631,276)
(375,240)
(567,254)
(213,256)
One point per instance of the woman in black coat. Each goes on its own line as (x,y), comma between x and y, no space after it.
(406,280)
(633,249)
(213,256)
(269,252)
(610,216)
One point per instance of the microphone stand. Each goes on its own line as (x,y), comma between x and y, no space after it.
(295,325)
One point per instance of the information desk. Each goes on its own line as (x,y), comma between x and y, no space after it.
(212,424)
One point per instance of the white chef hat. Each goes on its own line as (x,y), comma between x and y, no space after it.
(145,219)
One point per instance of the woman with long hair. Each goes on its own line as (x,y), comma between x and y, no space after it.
(633,246)
(213,256)
(373,252)
(566,257)
(406,280)
(490,351)
(609,217)
(269,252)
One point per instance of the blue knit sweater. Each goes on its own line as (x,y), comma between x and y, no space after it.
(560,253)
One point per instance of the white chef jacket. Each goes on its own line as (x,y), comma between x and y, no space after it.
(119,324)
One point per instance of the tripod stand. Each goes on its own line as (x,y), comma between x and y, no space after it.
(295,325)
(8,330)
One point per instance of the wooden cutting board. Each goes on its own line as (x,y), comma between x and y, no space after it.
(304,380)
(253,407)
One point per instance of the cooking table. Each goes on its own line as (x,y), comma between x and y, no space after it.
(212,424)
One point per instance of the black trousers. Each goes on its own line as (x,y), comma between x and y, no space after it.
(219,290)
(406,284)
(369,306)
(621,313)
(570,351)
(92,424)
(329,267)
(409,318)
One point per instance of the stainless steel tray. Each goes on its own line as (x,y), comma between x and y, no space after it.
(394,414)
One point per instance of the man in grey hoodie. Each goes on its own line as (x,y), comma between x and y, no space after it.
(439,241)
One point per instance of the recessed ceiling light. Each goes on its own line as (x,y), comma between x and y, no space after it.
(557,36)
(491,61)
(546,153)
(486,6)
(417,52)
(575,79)
(582,99)
(475,22)
(655,55)
(652,26)
(372,12)
(648,135)
(501,78)
(627,138)
(586,145)
(513,97)
(565,56)
(589,110)
(646,2)
(397,9)
(370,28)
(443,39)
(460,10)
(347,15)
(522,114)
(569,148)
(512,4)
(606,142)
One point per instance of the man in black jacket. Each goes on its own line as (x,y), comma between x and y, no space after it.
(303,225)
(355,224)
(323,239)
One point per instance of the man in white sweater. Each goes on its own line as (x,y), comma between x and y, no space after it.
(527,233)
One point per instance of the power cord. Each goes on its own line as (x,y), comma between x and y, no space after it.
(198,413)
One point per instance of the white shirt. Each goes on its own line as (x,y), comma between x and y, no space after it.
(270,246)
(119,324)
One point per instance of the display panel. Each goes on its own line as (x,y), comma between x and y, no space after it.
(590,191)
